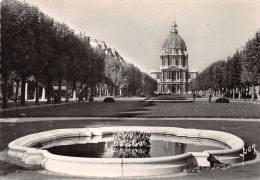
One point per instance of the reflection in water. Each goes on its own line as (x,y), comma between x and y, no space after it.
(160,147)
(131,153)
(79,150)
(179,148)
(175,148)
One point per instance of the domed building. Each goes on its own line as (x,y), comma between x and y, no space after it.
(174,75)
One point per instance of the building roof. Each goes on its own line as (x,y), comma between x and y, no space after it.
(193,70)
(174,40)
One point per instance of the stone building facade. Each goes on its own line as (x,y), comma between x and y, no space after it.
(174,75)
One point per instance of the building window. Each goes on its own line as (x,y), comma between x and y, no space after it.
(164,75)
(184,75)
(173,75)
(171,62)
(177,61)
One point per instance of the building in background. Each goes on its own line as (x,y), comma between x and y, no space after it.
(174,75)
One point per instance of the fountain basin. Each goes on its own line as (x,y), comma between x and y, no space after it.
(121,167)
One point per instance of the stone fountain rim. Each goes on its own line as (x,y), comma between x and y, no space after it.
(19,147)
(235,143)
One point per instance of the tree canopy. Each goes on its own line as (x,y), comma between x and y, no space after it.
(35,45)
(242,69)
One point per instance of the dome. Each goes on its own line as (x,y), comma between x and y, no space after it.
(174,40)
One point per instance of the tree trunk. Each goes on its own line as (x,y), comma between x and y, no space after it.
(114,90)
(67,91)
(26,91)
(239,93)
(74,95)
(80,96)
(100,90)
(253,93)
(37,91)
(96,91)
(92,90)
(43,93)
(86,92)
(5,91)
(59,90)
(258,93)
(74,85)
(233,92)
(107,93)
(23,103)
(49,90)
(81,87)
(16,91)
(34,96)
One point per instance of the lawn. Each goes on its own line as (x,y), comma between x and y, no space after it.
(99,109)
(83,109)
(205,109)
(247,130)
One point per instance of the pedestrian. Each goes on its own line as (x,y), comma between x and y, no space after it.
(194,96)
(55,98)
(210,97)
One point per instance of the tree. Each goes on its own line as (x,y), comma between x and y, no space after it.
(218,72)
(19,50)
(8,29)
(42,26)
(17,80)
(97,68)
(227,75)
(235,72)
(251,61)
(113,70)
(149,85)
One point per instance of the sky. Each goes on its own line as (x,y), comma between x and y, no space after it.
(211,29)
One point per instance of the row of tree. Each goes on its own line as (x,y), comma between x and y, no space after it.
(235,74)
(35,47)
(125,77)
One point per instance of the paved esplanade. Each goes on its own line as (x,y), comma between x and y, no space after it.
(27,119)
